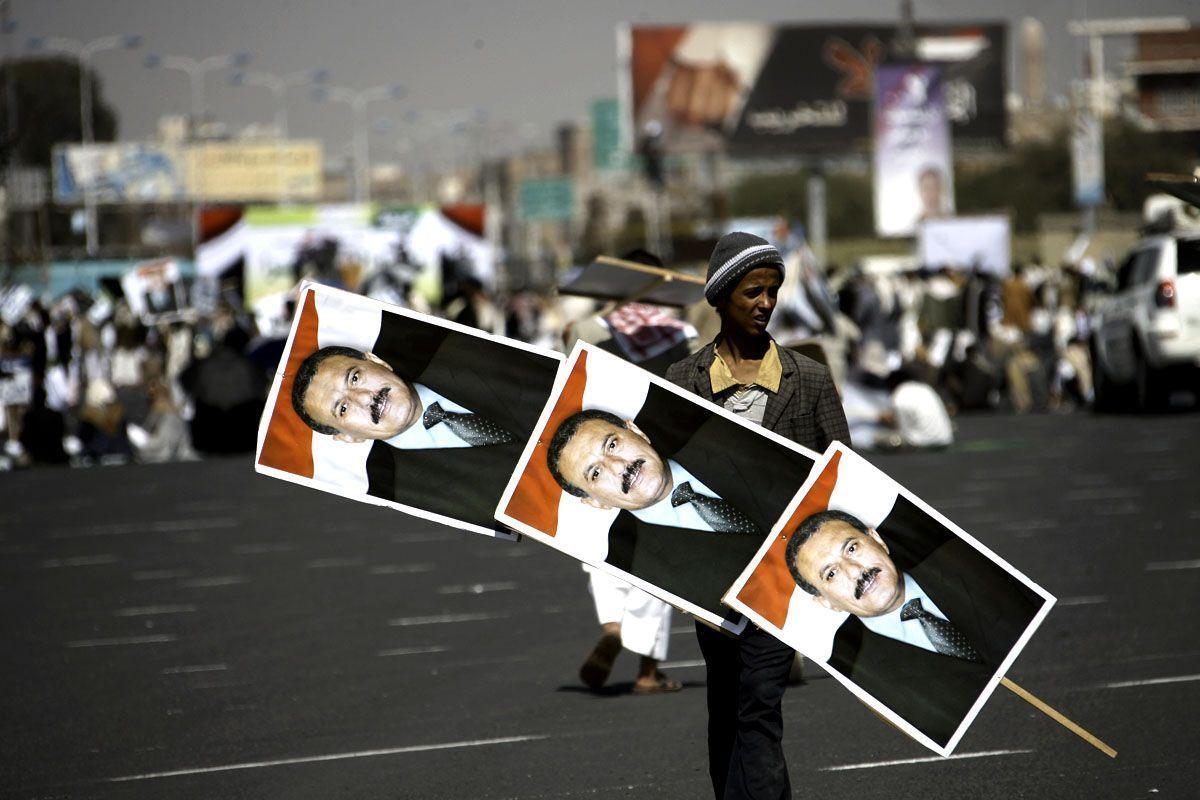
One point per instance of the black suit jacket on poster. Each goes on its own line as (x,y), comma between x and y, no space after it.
(505,384)
(931,691)
(759,477)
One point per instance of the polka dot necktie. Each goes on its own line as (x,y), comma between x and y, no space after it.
(722,516)
(947,639)
(471,428)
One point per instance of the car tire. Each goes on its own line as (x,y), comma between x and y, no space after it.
(1151,386)
(1107,396)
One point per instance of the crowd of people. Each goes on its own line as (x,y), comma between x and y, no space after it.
(84,380)
(928,344)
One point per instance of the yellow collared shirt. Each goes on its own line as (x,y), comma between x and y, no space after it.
(770,372)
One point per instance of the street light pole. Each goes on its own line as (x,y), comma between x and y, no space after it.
(83,52)
(358,102)
(196,70)
(278,87)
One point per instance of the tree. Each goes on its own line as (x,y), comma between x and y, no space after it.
(47,109)
(1129,153)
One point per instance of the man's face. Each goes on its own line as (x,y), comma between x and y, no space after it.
(748,308)
(851,569)
(931,193)
(362,398)
(615,465)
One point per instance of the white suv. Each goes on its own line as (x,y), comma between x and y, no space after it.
(1146,336)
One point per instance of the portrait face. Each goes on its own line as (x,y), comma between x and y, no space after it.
(749,307)
(362,398)
(930,187)
(615,465)
(851,569)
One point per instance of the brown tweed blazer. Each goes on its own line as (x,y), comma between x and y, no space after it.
(806,409)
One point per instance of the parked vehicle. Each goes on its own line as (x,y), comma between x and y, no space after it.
(1146,334)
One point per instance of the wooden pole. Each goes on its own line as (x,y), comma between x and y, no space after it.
(665,274)
(1059,718)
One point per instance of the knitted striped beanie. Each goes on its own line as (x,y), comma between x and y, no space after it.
(736,254)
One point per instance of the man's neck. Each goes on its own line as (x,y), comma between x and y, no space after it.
(900,597)
(737,348)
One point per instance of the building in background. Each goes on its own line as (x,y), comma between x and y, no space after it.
(1165,71)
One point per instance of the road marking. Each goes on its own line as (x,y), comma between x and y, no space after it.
(391,751)
(335,563)
(926,760)
(509,552)
(222,580)
(412,651)
(147,611)
(204,524)
(1116,511)
(440,618)
(1101,493)
(194,668)
(964,503)
(399,569)
(80,561)
(422,538)
(1150,682)
(684,629)
(1089,600)
(478,588)
(257,549)
(161,526)
(160,574)
(1156,566)
(1030,525)
(162,637)
(695,662)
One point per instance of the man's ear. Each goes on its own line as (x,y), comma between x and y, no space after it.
(376,359)
(594,503)
(822,602)
(634,428)
(875,535)
(347,438)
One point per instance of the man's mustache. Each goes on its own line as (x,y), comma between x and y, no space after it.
(377,403)
(863,580)
(631,472)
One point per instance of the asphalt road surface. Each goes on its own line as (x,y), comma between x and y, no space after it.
(198,631)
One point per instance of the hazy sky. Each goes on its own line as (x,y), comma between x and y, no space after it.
(527,62)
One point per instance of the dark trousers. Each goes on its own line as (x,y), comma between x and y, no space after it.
(746,680)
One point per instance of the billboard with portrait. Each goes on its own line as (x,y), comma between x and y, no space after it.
(394,408)
(126,172)
(913,615)
(651,484)
(759,89)
(914,168)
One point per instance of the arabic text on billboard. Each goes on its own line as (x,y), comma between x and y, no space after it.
(760,89)
(266,171)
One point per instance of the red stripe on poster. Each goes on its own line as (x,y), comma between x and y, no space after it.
(288,445)
(769,588)
(535,500)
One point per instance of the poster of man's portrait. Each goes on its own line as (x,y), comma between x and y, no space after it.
(387,406)
(916,617)
(155,291)
(646,482)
